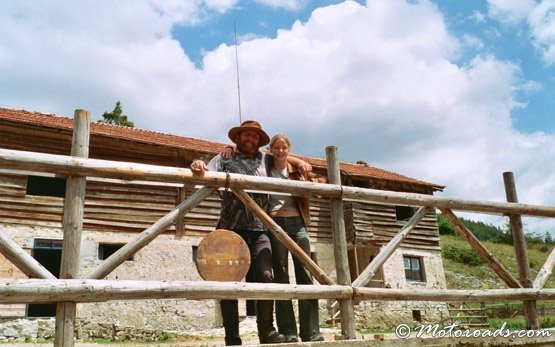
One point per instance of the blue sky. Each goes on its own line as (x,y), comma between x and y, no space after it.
(450,92)
(506,42)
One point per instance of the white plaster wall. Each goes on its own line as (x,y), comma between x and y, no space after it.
(170,258)
(165,258)
(388,314)
(394,270)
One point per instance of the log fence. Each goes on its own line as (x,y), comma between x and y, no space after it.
(71,289)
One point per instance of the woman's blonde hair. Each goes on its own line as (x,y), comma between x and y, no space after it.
(279,137)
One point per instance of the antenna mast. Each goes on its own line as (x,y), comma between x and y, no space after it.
(237,67)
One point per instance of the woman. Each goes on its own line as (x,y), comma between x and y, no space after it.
(292,215)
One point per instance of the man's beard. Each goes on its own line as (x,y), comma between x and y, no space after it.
(247,148)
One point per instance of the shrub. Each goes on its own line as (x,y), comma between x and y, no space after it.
(466,256)
(444,226)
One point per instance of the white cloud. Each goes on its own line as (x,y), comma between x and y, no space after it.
(378,82)
(542,23)
(510,11)
(190,12)
(290,5)
(540,17)
(478,17)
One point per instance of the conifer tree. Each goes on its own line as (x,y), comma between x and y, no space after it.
(116,117)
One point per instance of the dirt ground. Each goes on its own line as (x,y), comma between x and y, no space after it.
(215,338)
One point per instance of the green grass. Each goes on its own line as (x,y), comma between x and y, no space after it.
(465,276)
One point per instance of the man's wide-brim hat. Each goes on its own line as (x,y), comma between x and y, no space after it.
(250,125)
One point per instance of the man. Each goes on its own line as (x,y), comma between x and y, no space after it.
(235,216)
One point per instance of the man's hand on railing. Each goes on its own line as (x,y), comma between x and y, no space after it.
(198,167)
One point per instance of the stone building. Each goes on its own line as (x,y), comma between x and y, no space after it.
(31,205)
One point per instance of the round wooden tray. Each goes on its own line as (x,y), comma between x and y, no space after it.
(223,255)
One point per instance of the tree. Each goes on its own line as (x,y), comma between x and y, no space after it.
(116,117)
(547,238)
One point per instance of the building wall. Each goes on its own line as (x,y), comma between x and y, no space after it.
(166,258)
(388,314)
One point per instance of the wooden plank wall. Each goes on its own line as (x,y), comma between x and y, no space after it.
(117,206)
(377,224)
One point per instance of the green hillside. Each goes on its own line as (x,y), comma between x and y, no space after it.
(464,269)
(460,275)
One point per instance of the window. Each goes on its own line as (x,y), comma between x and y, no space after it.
(403,213)
(107,249)
(195,253)
(414,269)
(48,253)
(417,316)
(360,183)
(46,186)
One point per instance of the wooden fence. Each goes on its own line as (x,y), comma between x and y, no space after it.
(72,288)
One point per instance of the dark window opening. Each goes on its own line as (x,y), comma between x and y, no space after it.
(105,250)
(404,212)
(359,258)
(414,270)
(416,316)
(48,253)
(195,254)
(360,183)
(314,257)
(46,186)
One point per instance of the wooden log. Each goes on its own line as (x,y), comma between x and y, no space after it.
(545,271)
(347,313)
(388,250)
(13,291)
(21,259)
(519,242)
(133,171)
(149,234)
(180,222)
(493,263)
(282,237)
(452,295)
(72,225)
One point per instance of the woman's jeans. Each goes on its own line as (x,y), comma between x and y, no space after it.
(309,321)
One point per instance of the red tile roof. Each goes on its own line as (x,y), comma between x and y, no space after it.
(199,145)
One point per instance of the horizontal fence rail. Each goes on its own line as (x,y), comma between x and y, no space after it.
(42,162)
(17,291)
(14,291)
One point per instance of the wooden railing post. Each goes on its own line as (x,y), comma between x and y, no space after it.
(519,242)
(347,313)
(72,224)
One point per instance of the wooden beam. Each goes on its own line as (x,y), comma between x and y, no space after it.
(519,242)
(133,171)
(388,250)
(282,237)
(13,291)
(149,234)
(21,291)
(72,225)
(21,259)
(452,295)
(489,258)
(545,271)
(347,313)
(180,223)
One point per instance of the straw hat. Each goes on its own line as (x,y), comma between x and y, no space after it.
(250,125)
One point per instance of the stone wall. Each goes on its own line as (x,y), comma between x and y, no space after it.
(169,258)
